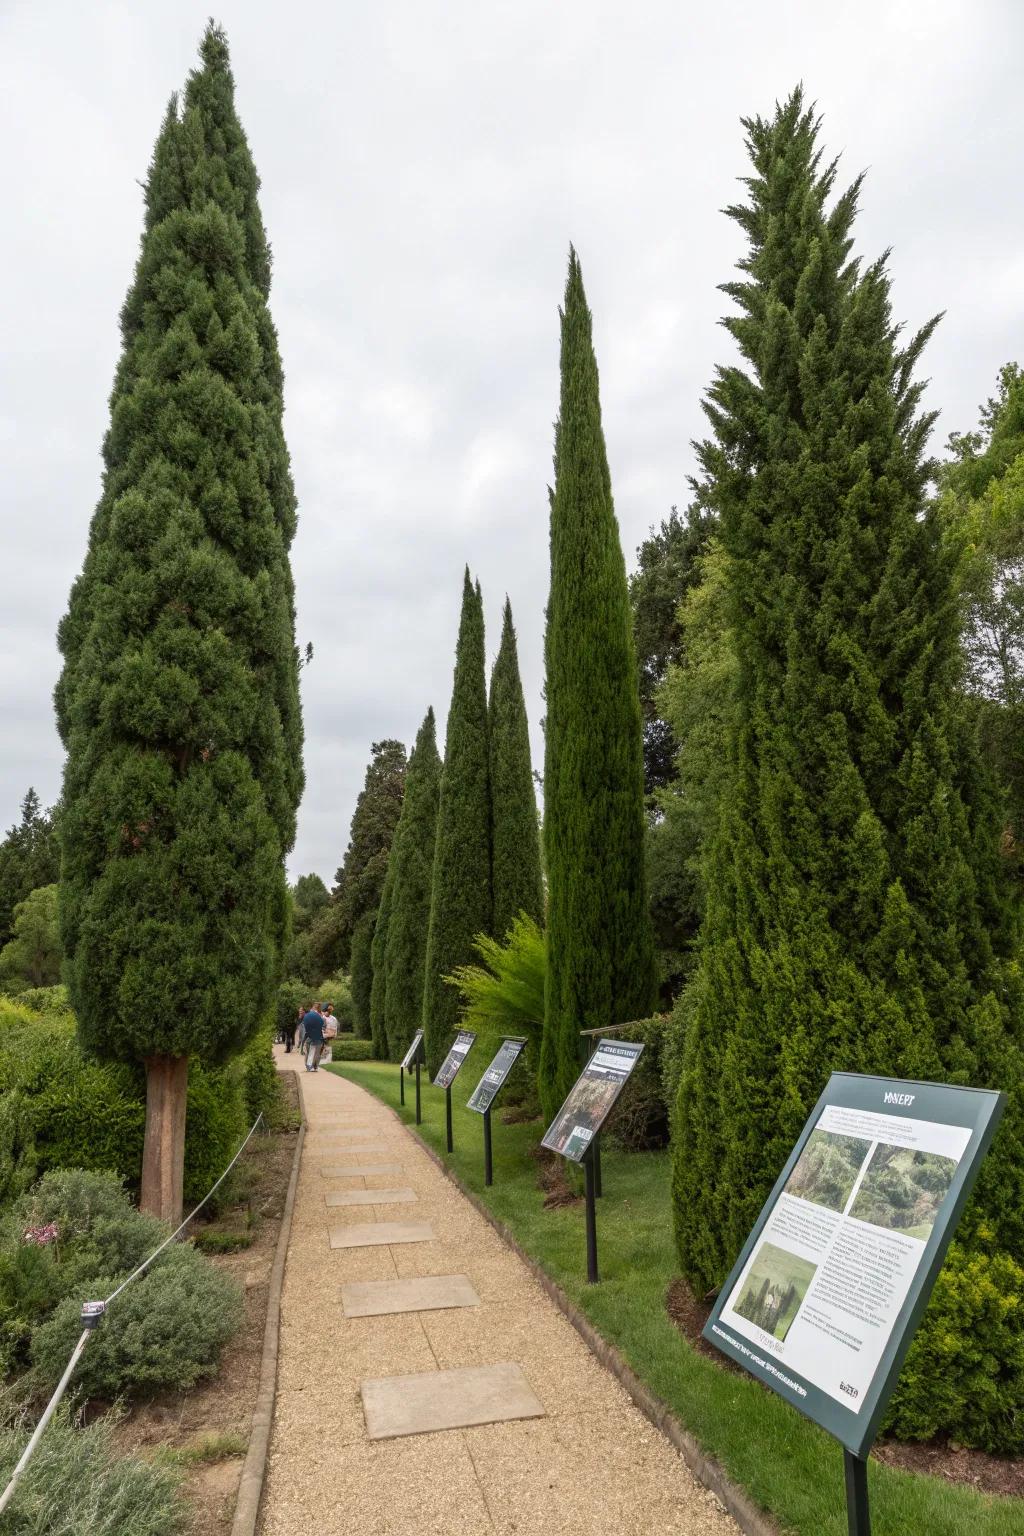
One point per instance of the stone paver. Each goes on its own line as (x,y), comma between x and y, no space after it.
(380,1234)
(376,1298)
(480,1394)
(592,1463)
(371,1197)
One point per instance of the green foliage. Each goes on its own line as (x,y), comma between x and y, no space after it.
(261,1086)
(165,1332)
(291,994)
(361,979)
(81,1482)
(505,995)
(178,701)
(667,569)
(515,831)
(51,1000)
(349,1048)
(378,966)
(856,914)
(640,1119)
(964,1374)
(309,900)
(360,880)
(413,859)
(461,904)
(29,858)
(600,951)
(32,956)
(696,700)
(215,1124)
(336,990)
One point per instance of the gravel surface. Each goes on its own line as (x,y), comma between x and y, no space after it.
(593,1465)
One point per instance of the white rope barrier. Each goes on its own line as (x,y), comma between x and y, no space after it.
(92,1316)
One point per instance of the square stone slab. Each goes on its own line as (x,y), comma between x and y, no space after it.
(417,1405)
(376,1234)
(430,1293)
(333,1171)
(357,1147)
(372,1197)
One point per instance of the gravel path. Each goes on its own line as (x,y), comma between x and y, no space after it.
(592,1465)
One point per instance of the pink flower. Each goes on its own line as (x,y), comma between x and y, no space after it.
(41,1236)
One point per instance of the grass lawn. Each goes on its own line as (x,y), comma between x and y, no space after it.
(789,1466)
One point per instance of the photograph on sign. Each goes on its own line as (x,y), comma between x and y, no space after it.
(837,1257)
(591,1098)
(453,1061)
(483,1094)
(409,1059)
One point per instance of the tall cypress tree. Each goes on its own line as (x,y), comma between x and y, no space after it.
(178,701)
(855,912)
(412,856)
(378,965)
(460,903)
(600,953)
(515,834)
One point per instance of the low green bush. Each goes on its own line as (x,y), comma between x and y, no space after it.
(215,1125)
(46,999)
(165,1332)
(964,1374)
(639,1121)
(291,994)
(261,1086)
(80,1482)
(336,990)
(346,1048)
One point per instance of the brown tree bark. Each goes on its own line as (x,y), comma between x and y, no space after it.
(163,1153)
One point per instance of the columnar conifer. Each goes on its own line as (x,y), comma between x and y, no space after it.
(515,832)
(378,964)
(360,880)
(412,855)
(855,916)
(600,954)
(460,902)
(178,702)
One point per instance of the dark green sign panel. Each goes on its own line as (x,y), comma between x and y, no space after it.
(486,1090)
(449,1069)
(824,1300)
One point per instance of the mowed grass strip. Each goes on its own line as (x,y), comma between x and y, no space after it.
(790,1467)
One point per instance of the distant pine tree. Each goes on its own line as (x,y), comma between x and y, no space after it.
(412,855)
(600,948)
(378,965)
(856,912)
(178,702)
(460,904)
(515,831)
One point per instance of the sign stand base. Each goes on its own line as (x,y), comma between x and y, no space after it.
(488,1164)
(419,1117)
(448,1119)
(401,1085)
(592,1274)
(857,1514)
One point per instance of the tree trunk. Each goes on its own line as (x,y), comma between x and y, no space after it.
(163,1154)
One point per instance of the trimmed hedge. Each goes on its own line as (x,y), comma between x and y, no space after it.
(640,1120)
(344,1048)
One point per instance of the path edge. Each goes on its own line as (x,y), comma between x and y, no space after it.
(748,1516)
(254,1468)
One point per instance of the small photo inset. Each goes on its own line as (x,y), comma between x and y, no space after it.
(827,1169)
(903,1189)
(775,1285)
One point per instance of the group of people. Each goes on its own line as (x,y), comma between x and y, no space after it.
(313,1026)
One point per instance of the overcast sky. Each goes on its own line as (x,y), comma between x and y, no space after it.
(425,164)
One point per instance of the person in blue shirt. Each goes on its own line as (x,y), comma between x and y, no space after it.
(313,1033)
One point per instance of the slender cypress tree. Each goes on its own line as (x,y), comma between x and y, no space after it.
(360,880)
(855,914)
(378,964)
(178,701)
(515,833)
(600,950)
(460,901)
(412,855)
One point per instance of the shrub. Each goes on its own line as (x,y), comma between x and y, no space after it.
(964,1374)
(81,1483)
(336,990)
(166,1331)
(53,1000)
(346,1049)
(215,1125)
(505,996)
(640,1118)
(261,1088)
(291,994)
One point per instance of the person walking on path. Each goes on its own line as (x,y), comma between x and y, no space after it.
(313,1034)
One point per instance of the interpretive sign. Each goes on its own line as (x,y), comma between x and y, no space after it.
(410,1056)
(484,1093)
(591,1098)
(453,1061)
(825,1297)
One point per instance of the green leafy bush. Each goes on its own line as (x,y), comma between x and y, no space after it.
(640,1119)
(336,990)
(166,1331)
(345,1048)
(964,1374)
(81,1483)
(215,1124)
(291,994)
(261,1087)
(46,999)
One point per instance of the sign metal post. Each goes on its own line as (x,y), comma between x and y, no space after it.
(448,1118)
(575,1130)
(419,1116)
(487,1089)
(488,1163)
(401,1083)
(447,1074)
(829,1288)
(411,1062)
